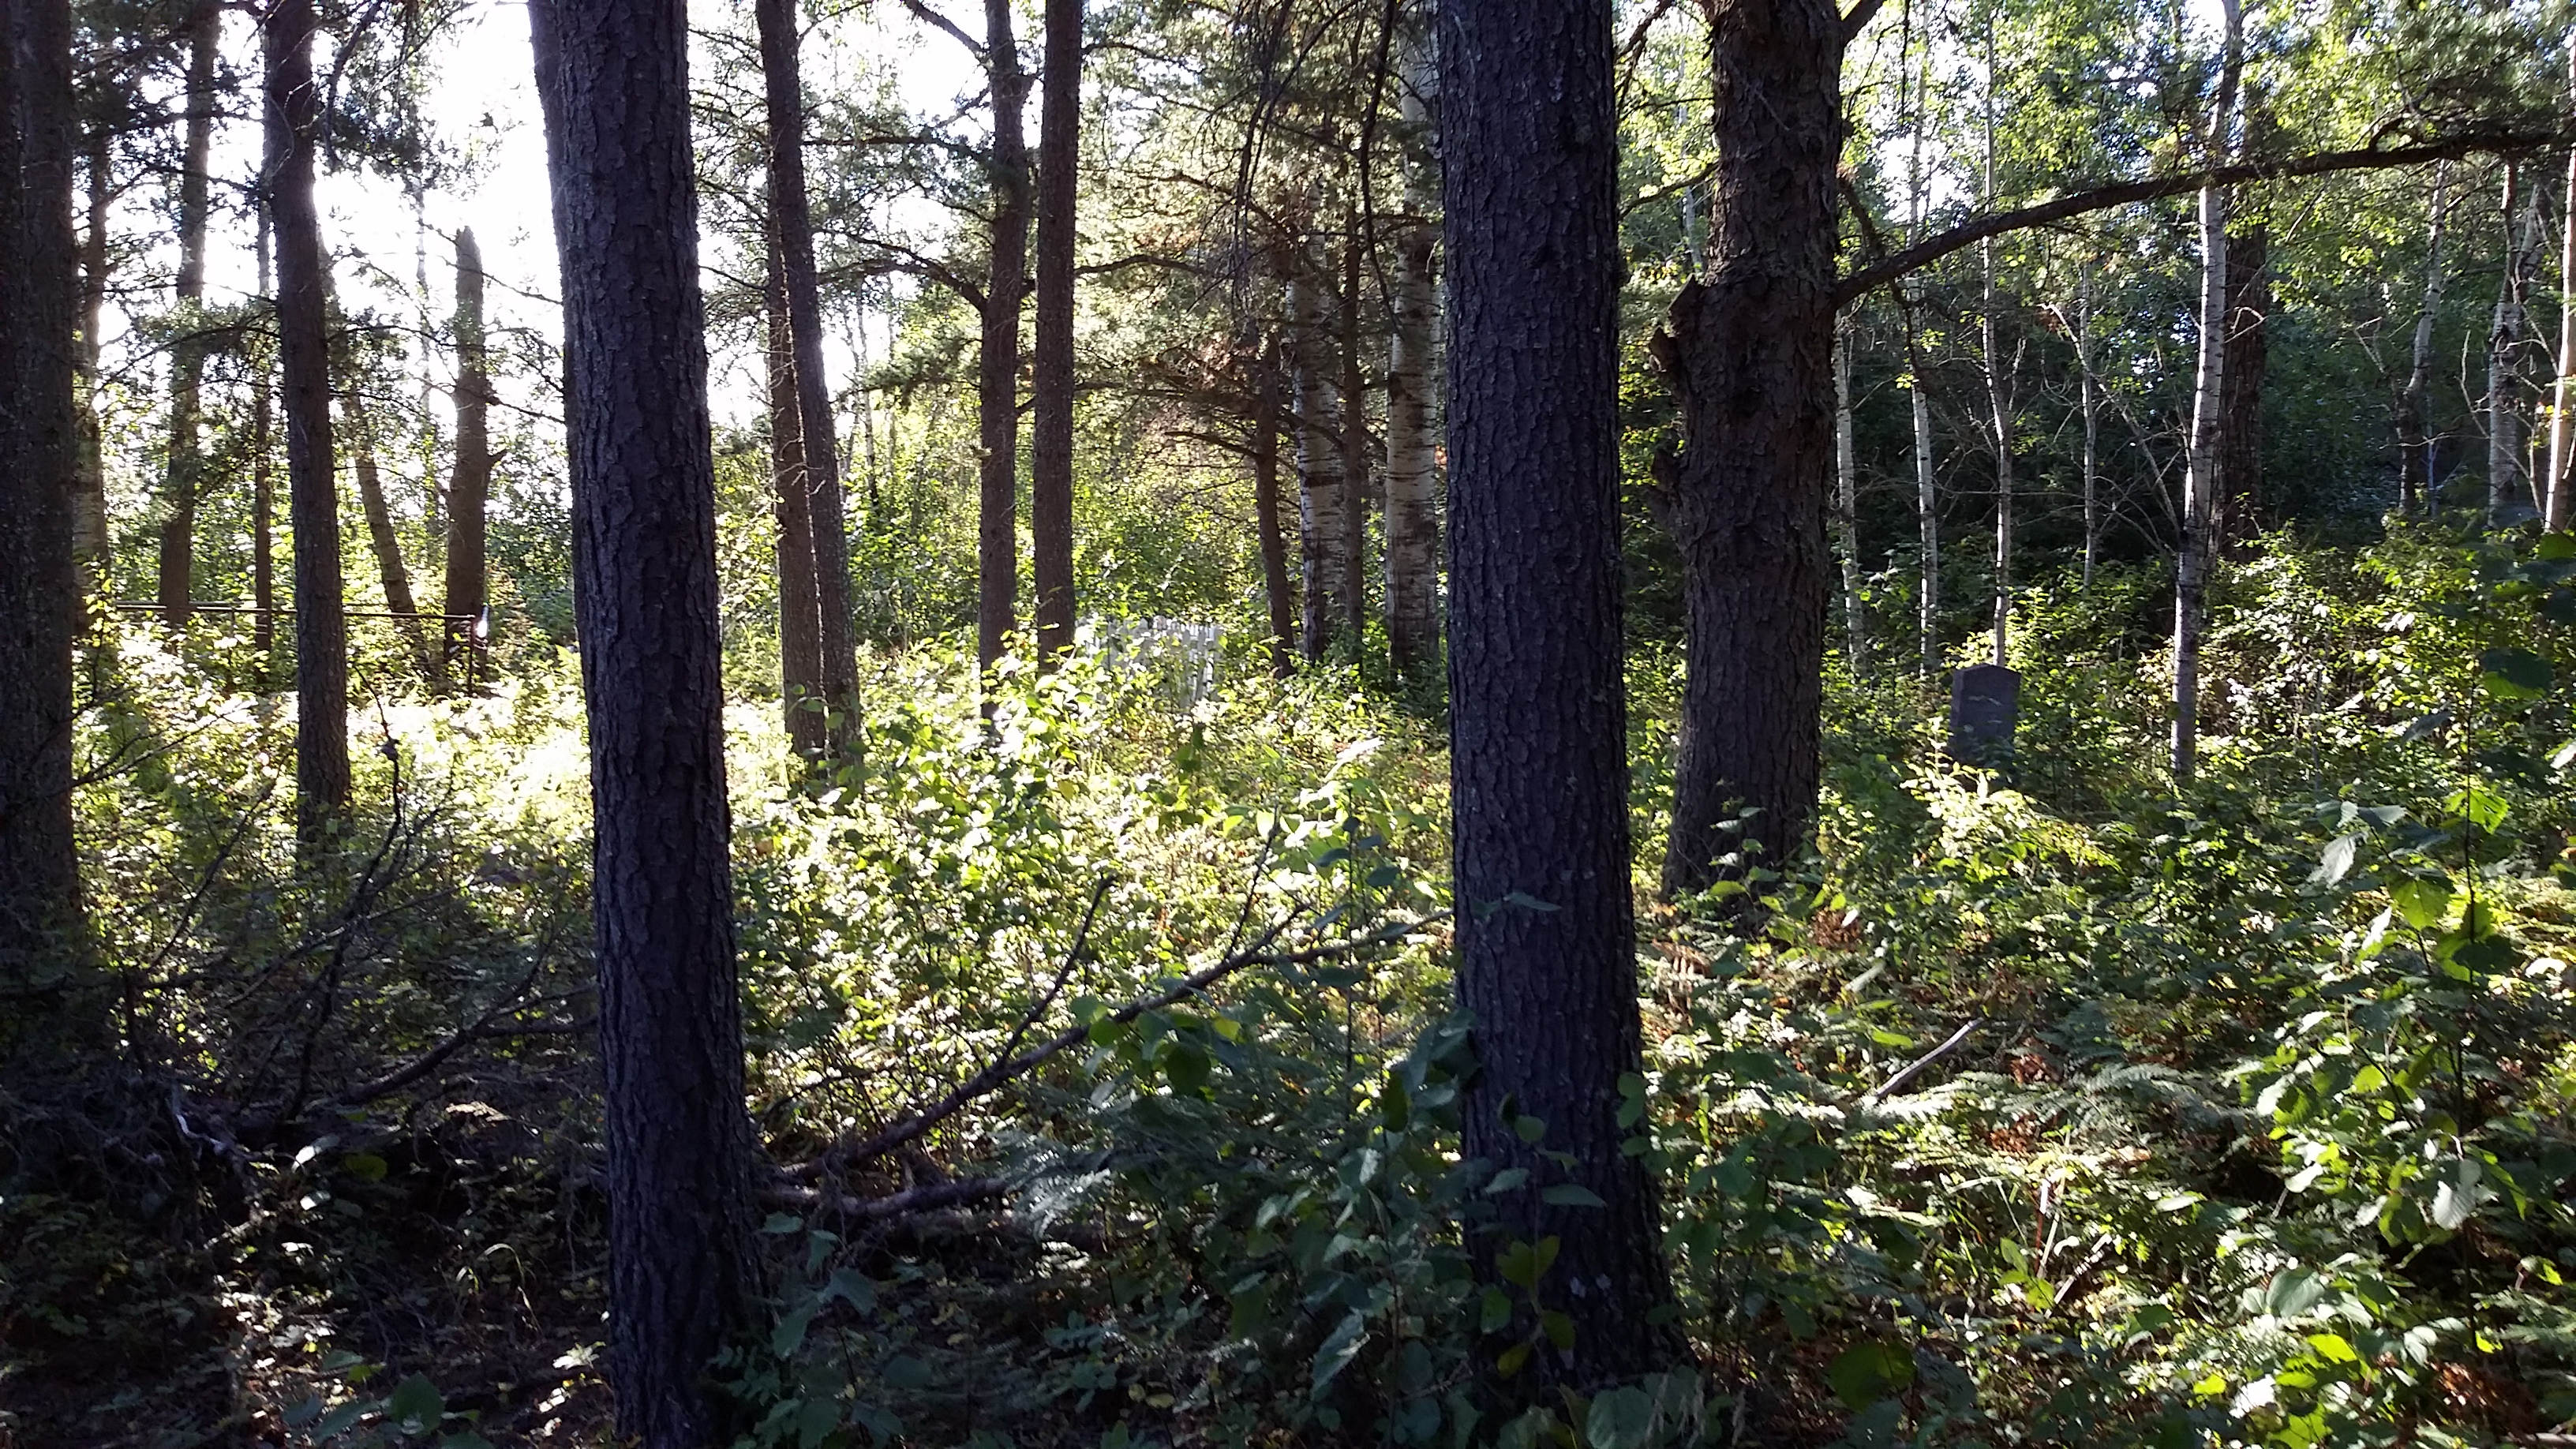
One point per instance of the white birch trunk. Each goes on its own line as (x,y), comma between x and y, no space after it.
(2191,570)
(1847,508)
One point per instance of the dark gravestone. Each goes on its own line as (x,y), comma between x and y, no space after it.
(1985,705)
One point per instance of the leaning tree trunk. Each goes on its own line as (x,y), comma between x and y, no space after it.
(2504,404)
(40,905)
(1051,380)
(838,642)
(1412,463)
(1265,508)
(1538,710)
(304,367)
(469,482)
(2200,490)
(800,611)
(181,482)
(1323,514)
(683,1274)
(2414,446)
(997,386)
(1750,355)
(381,538)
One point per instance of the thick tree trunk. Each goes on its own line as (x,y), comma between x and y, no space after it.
(800,611)
(1051,381)
(469,482)
(2200,483)
(2504,401)
(381,538)
(837,642)
(40,905)
(1750,354)
(997,386)
(1847,509)
(1546,934)
(182,480)
(682,1271)
(1412,464)
(2414,447)
(304,367)
(1323,510)
(1265,509)
(90,544)
(2240,448)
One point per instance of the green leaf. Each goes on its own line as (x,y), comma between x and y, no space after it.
(1622,1418)
(1507,1179)
(1187,1069)
(1523,1264)
(415,1404)
(789,1335)
(2514,674)
(1510,1360)
(365,1166)
(1494,1311)
(2459,1194)
(1340,1347)
(2337,862)
(1868,1372)
(1569,1194)
(2293,1291)
(2422,900)
(1559,1327)
(852,1287)
(1528,1129)
(2479,806)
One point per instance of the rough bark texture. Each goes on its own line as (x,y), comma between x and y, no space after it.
(1546,937)
(800,610)
(682,1272)
(1275,586)
(469,481)
(2414,448)
(1323,512)
(1412,461)
(304,379)
(39,447)
(181,481)
(837,643)
(1749,352)
(2240,447)
(1051,380)
(997,370)
(382,541)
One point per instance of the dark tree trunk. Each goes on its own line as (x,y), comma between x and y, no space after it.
(997,386)
(1323,513)
(837,641)
(682,1272)
(381,538)
(1051,385)
(1546,935)
(188,355)
(469,482)
(304,367)
(1412,463)
(1750,353)
(800,615)
(2240,439)
(1265,510)
(40,904)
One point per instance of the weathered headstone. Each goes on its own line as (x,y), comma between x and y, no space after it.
(1985,706)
